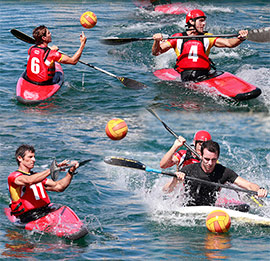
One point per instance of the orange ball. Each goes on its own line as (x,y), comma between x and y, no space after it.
(88,19)
(116,129)
(218,221)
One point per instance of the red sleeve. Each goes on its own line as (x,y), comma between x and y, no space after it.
(173,42)
(54,56)
(12,177)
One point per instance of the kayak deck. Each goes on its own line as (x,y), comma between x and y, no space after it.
(62,222)
(31,93)
(238,216)
(219,83)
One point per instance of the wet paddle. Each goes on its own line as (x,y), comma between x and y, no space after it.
(54,169)
(257,35)
(130,163)
(173,133)
(130,83)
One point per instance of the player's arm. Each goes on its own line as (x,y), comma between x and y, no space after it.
(159,46)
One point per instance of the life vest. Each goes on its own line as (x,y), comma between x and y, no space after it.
(25,198)
(39,69)
(185,157)
(192,55)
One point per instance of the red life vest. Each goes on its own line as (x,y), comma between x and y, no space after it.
(185,158)
(39,68)
(192,55)
(25,198)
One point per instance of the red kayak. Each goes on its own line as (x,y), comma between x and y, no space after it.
(175,8)
(62,222)
(32,93)
(219,83)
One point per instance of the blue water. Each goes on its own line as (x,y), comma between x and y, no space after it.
(124,209)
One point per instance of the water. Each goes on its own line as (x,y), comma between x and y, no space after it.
(127,216)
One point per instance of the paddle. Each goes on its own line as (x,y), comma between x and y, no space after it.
(130,83)
(54,169)
(257,35)
(130,163)
(173,133)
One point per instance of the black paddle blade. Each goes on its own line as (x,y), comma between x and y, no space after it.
(259,35)
(118,41)
(123,162)
(54,171)
(132,84)
(84,162)
(22,36)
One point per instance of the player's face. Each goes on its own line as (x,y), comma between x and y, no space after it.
(47,37)
(209,160)
(198,146)
(200,24)
(28,161)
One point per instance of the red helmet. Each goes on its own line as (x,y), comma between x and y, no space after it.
(202,136)
(195,14)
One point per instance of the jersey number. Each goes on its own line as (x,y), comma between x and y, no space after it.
(35,191)
(193,53)
(35,67)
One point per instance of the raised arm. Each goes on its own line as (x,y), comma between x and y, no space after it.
(168,159)
(76,57)
(232,42)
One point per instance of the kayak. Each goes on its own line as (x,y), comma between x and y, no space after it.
(32,93)
(219,83)
(237,216)
(175,8)
(61,222)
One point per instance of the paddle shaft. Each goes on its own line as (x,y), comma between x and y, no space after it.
(184,37)
(125,81)
(26,38)
(138,165)
(173,133)
(256,35)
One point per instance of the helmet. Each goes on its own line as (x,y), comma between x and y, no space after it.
(195,14)
(202,136)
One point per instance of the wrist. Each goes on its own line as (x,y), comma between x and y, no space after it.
(72,173)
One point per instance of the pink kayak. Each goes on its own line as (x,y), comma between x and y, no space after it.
(28,92)
(62,222)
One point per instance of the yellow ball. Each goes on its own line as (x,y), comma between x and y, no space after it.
(116,129)
(218,221)
(88,19)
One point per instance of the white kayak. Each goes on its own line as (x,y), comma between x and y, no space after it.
(240,217)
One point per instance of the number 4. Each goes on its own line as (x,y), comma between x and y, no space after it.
(193,53)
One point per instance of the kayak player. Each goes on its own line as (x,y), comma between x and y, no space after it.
(28,190)
(41,58)
(182,158)
(199,194)
(192,61)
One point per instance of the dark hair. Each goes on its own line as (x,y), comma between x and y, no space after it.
(39,32)
(21,151)
(212,146)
